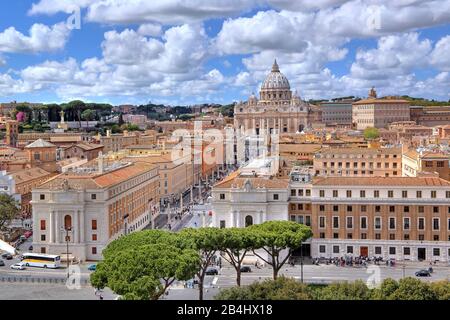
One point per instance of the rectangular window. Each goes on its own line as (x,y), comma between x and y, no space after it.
(392,236)
(322,235)
(308,192)
(93,196)
(336,222)
(390,194)
(418,194)
(363,235)
(377,236)
(447,194)
(308,221)
(335,193)
(391,223)
(300,192)
(362,193)
(42,196)
(363,222)
(300,206)
(406,209)
(421,224)
(436,252)
(349,222)
(433,194)
(391,250)
(436,237)
(336,208)
(94,224)
(376,194)
(43,250)
(336,235)
(404,194)
(349,208)
(435,223)
(275,196)
(363,208)
(349,249)
(435,209)
(336,249)
(42,237)
(94,250)
(349,193)
(377,223)
(391,208)
(322,193)
(322,249)
(293,192)
(321,222)
(222,196)
(421,209)
(43,226)
(321,208)
(406,251)
(377,250)
(377,208)
(405,223)
(94,237)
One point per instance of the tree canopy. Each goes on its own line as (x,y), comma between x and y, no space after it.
(371,133)
(274,237)
(9,209)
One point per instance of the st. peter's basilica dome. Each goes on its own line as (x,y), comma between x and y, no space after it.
(276,80)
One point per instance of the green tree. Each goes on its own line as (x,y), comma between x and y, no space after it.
(275,237)
(386,289)
(88,115)
(371,133)
(77,107)
(413,289)
(357,290)
(9,209)
(145,272)
(441,289)
(237,242)
(207,242)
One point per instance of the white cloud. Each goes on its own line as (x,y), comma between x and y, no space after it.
(54,6)
(150,29)
(440,56)
(41,38)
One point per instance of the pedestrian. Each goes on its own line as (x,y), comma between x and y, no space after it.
(101,297)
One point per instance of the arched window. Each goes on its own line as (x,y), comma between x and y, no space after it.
(67,222)
(248,221)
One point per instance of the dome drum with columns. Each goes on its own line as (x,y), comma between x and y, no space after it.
(277,108)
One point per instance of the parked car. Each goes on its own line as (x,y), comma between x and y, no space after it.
(246,269)
(211,271)
(8,257)
(92,267)
(423,273)
(2,263)
(17,266)
(30,248)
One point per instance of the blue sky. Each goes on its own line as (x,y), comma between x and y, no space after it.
(217,51)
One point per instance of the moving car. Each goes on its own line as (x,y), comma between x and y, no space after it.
(423,273)
(8,257)
(92,267)
(246,269)
(211,271)
(17,266)
(2,263)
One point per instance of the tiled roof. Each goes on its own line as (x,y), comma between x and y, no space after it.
(381,181)
(40,143)
(29,174)
(114,177)
(361,151)
(87,146)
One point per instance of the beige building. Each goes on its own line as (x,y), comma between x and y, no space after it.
(426,163)
(391,217)
(379,113)
(359,162)
(276,109)
(97,205)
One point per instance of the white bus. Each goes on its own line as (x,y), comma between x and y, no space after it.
(41,260)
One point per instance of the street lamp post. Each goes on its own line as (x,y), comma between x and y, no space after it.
(301,263)
(67,230)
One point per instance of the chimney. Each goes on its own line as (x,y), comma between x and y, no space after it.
(100,162)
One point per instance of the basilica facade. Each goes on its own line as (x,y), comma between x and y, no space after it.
(278,109)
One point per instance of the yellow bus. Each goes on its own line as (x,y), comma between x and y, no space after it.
(41,260)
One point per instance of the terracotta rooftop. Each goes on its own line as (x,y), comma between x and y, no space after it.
(29,174)
(361,151)
(40,143)
(87,146)
(381,181)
